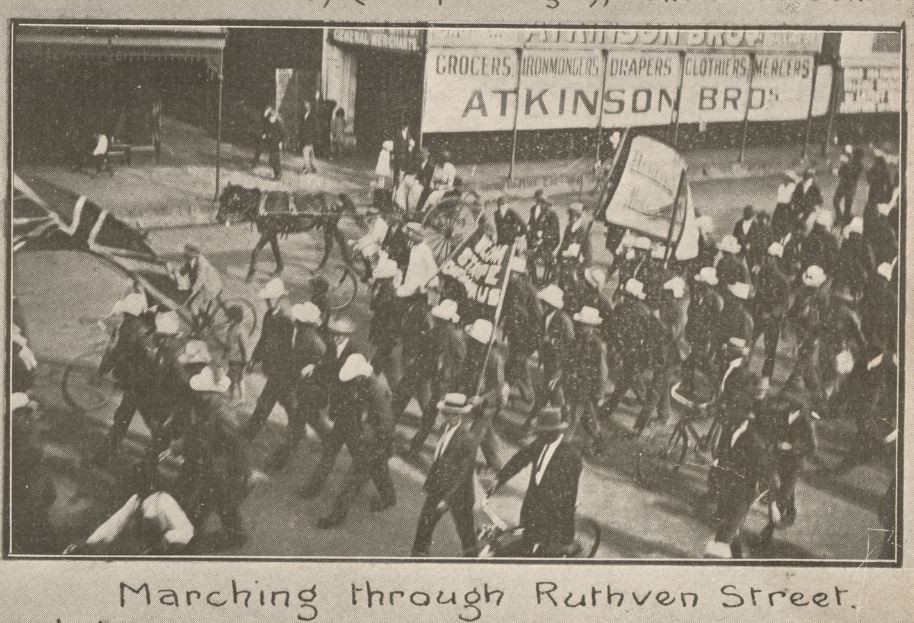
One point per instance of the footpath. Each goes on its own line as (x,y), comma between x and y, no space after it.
(180,190)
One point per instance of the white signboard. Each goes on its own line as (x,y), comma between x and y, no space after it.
(474,89)
(641,88)
(715,87)
(870,89)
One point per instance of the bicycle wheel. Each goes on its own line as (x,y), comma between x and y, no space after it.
(587,536)
(343,290)
(652,466)
(80,388)
(711,439)
(447,225)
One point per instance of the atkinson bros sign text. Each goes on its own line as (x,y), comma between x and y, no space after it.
(474,89)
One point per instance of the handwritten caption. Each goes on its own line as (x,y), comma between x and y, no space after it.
(365,599)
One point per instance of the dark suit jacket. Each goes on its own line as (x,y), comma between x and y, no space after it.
(509,226)
(426,171)
(543,229)
(558,342)
(338,394)
(451,476)
(547,514)
(738,231)
(274,348)
(308,131)
(310,349)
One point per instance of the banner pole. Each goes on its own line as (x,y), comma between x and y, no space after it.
(498,309)
(837,74)
(668,253)
(612,167)
(812,97)
(742,146)
(682,56)
(520,59)
(600,99)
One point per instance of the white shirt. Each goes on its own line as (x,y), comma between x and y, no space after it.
(160,508)
(376,234)
(549,319)
(733,366)
(101,146)
(739,432)
(793,417)
(546,456)
(746,226)
(340,347)
(445,440)
(421,268)
(785,192)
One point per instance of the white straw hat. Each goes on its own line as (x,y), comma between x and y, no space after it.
(740,290)
(167,323)
(480,330)
(635,288)
(306,313)
(356,365)
(589,315)
(275,288)
(552,295)
(195,351)
(814,276)
(708,275)
(205,381)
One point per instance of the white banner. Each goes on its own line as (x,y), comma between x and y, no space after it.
(473,89)
(645,198)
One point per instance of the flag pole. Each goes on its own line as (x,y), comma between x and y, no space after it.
(498,310)
(668,254)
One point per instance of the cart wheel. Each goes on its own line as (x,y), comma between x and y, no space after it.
(81,389)
(448,224)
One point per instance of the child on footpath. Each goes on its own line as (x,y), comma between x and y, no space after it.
(236,353)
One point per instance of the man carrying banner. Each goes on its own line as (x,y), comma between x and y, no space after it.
(523,316)
(491,394)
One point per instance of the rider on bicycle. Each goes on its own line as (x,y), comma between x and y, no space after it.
(203,281)
(547,514)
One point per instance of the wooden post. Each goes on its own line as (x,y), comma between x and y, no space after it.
(812,97)
(682,55)
(219,129)
(424,96)
(600,100)
(520,59)
(837,78)
(742,146)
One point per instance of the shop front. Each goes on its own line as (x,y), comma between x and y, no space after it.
(375,75)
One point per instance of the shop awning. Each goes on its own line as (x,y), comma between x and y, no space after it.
(190,43)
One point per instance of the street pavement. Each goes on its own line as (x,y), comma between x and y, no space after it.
(63,293)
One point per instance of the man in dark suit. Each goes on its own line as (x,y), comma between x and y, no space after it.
(744,226)
(807,196)
(375,423)
(543,237)
(547,514)
(341,410)
(309,351)
(275,353)
(508,225)
(403,151)
(426,171)
(556,348)
(449,485)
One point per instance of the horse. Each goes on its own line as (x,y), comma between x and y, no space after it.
(276,213)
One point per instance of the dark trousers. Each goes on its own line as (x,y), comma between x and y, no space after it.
(844,195)
(699,355)
(275,390)
(584,411)
(423,197)
(276,162)
(461,507)
(131,402)
(414,383)
(732,512)
(307,413)
(627,379)
(213,495)
(369,463)
(342,434)
(547,256)
(516,371)
(770,330)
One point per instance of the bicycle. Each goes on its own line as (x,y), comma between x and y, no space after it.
(498,536)
(653,466)
(82,388)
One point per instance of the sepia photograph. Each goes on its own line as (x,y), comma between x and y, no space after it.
(320,292)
